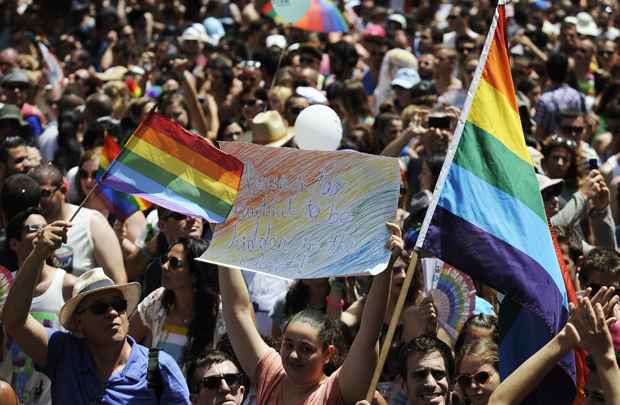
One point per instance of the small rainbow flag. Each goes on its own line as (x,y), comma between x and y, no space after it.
(169,166)
(487,219)
(122,205)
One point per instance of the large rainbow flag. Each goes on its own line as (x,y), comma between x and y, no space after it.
(169,166)
(122,205)
(487,218)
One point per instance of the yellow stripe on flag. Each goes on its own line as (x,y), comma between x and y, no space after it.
(491,112)
(194,177)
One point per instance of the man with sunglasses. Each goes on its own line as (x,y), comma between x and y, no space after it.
(215,379)
(95,361)
(427,370)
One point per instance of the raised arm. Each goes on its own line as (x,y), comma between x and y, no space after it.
(27,332)
(519,384)
(249,346)
(108,252)
(361,360)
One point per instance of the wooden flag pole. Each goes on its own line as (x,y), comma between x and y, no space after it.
(84,201)
(387,342)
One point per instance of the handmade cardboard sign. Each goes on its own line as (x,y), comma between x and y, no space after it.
(308,214)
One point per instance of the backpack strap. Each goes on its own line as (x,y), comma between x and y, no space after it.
(153,374)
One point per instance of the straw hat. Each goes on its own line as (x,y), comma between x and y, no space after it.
(91,282)
(268,129)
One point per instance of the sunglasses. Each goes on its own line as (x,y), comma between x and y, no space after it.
(45,193)
(548,194)
(32,228)
(100,307)
(253,103)
(88,175)
(175,215)
(606,54)
(422,374)
(480,378)
(215,382)
(569,129)
(175,262)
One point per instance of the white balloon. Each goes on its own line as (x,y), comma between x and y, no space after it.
(318,127)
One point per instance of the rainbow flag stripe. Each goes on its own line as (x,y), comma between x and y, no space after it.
(487,217)
(176,169)
(122,205)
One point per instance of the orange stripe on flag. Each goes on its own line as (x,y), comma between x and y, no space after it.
(497,70)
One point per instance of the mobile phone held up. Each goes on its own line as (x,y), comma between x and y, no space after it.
(439,122)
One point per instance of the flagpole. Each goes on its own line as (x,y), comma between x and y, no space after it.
(387,342)
(97,184)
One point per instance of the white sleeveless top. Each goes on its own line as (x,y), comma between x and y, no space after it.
(80,240)
(33,387)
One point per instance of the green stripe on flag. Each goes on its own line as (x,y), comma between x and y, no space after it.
(173,183)
(483,155)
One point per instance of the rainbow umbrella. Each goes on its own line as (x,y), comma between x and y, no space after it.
(323,16)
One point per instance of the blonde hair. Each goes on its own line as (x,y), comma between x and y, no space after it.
(119,94)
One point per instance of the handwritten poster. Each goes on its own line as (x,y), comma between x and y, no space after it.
(308,214)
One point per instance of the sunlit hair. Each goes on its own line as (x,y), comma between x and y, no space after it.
(482,321)
(485,350)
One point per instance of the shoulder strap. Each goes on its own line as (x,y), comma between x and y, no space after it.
(154,373)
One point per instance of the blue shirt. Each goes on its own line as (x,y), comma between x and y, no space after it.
(75,381)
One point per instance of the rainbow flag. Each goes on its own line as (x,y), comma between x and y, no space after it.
(487,219)
(176,169)
(122,205)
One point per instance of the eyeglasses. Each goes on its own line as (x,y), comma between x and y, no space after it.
(215,382)
(88,175)
(422,374)
(606,54)
(480,378)
(569,129)
(175,262)
(45,193)
(100,307)
(177,216)
(253,103)
(32,228)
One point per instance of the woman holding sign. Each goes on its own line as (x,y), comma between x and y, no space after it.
(296,374)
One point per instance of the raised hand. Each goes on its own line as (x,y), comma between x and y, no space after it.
(51,237)
(591,324)
(395,244)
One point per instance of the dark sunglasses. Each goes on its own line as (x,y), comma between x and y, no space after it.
(215,382)
(100,307)
(253,102)
(175,262)
(480,378)
(606,54)
(175,215)
(45,193)
(571,129)
(423,373)
(88,175)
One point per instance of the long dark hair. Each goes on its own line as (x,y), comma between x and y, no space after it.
(205,296)
(297,298)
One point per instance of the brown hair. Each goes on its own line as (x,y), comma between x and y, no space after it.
(485,350)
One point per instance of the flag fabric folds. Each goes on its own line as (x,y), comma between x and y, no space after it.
(487,216)
(169,166)
(122,205)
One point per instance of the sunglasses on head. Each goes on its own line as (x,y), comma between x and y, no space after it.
(215,382)
(101,307)
(423,373)
(32,228)
(480,378)
(175,262)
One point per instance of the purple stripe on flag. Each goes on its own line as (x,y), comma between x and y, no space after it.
(496,263)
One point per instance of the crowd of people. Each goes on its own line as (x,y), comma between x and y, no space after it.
(100,308)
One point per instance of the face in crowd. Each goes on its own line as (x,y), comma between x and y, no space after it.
(175,225)
(478,379)
(219,384)
(426,380)
(102,318)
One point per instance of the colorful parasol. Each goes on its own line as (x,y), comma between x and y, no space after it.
(323,16)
